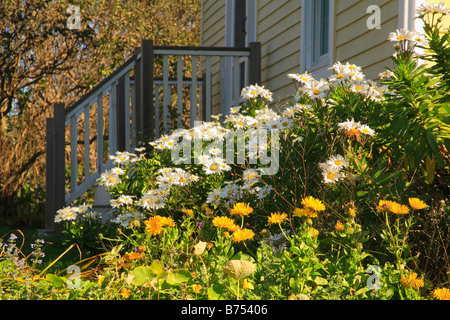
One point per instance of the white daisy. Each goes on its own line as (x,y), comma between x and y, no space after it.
(214,196)
(366,130)
(331,175)
(285,123)
(118,171)
(337,162)
(109,179)
(263,192)
(211,166)
(204,158)
(250,174)
(215,152)
(399,35)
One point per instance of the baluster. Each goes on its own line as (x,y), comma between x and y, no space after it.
(193,93)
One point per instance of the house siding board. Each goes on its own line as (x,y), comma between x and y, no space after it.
(343,5)
(278,30)
(355,43)
(213,23)
(357,27)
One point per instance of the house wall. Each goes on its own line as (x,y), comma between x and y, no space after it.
(279,31)
(356,43)
(213,35)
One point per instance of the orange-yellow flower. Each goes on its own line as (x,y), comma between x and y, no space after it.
(304,213)
(399,208)
(100,279)
(135,255)
(385,204)
(339,226)
(242,235)
(247,285)
(226,223)
(277,218)
(241,209)
(351,212)
(189,212)
(125,293)
(154,225)
(392,206)
(167,222)
(416,203)
(313,204)
(312,232)
(441,294)
(412,281)
(196,288)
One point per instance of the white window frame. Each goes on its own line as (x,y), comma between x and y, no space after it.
(316,65)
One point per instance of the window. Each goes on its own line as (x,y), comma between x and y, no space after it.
(316,36)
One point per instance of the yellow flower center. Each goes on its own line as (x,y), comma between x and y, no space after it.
(330,175)
(213,167)
(316,91)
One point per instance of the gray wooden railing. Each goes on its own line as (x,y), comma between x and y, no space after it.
(136,97)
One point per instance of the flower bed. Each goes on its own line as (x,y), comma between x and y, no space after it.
(327,198)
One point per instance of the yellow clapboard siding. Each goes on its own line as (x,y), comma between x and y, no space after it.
(356,43)
(341,6)
(359,11)
(277,14)
(279,30)
(365,42)
(348,29)
(280,60)
(213,33)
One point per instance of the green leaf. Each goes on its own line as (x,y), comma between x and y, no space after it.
(321,281)
(295,284)
(157,268)
(362,291)
(179,277)
(142,275)
(216,292)
(58,282)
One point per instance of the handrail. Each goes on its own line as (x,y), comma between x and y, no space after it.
(134,109)
(105,83)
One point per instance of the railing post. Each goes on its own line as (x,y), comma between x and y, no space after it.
(60,157)
(254,65)
(120,115)
(146,89)
(137,95)
(55,164)
(50,176)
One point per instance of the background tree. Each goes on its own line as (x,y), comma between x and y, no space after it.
(43,61)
